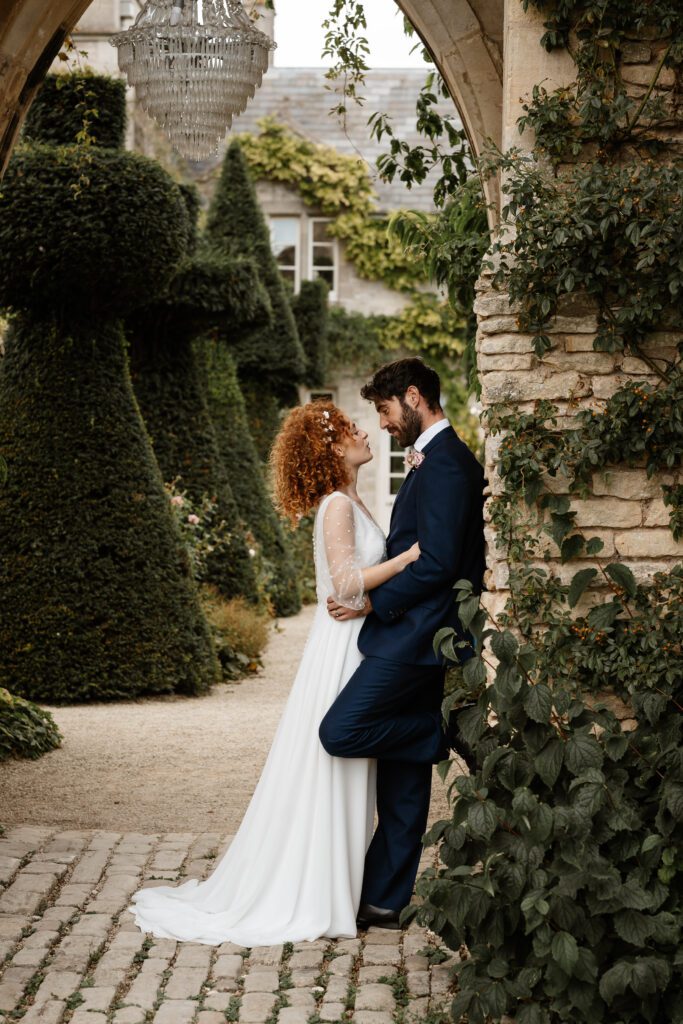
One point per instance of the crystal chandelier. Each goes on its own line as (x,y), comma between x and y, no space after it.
(194,64)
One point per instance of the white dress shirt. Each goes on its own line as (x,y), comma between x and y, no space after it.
(426,435)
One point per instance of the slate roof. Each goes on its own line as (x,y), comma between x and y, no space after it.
(298,97)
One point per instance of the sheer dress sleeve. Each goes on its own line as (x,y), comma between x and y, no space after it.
(343,564)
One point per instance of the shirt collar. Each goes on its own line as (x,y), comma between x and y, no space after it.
(426,435)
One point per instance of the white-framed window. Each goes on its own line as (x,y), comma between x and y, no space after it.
(397,466)
(285,241)
(323,260)
(318,394)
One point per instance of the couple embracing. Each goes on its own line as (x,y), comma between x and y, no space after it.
(362,726)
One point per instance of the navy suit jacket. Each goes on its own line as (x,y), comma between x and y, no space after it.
(440,504)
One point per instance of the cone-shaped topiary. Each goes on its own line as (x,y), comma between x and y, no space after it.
(273,354)
(97,598)
(96,595)
(310,312)
(244,468)
(173,399)
(77,107)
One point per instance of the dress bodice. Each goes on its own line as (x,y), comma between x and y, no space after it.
(346,540)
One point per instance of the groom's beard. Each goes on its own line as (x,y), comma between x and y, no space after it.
(410,427)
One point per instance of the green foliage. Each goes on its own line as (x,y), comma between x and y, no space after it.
(445,152)
(639,425)
(86,231)
(273,355)
(25,729)
(78,108)
(451,247)
(311,312)
(559,866)
(614,234)
(246,475)
(97,599)
(240,632)
(355,340)
(173,402)
(343,39)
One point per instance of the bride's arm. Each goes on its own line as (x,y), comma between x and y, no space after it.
(375,575)
(348,578)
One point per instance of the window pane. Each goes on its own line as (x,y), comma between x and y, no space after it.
(320,231)
(395,446)
(395,483)
(284,231)
(286,256)
(397,464)
(323,256)
(327,275)
(289,275)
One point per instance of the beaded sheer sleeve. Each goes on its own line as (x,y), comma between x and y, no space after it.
(337,562)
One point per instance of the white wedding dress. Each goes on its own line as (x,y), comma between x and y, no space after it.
(295,867)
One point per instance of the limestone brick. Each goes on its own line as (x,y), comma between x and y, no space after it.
(506,361)
(515,343)
(643,74)
(652,543)
(631,484)
(656,513)
(614,513)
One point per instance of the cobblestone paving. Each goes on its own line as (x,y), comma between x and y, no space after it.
(70,952)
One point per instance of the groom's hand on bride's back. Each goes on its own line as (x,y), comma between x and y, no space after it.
(340,613)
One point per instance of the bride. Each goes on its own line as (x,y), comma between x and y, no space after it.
(295,867)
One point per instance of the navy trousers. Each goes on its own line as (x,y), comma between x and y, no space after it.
(392,712)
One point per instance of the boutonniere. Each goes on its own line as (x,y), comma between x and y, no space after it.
(414,459)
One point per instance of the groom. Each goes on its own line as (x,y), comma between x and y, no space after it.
(390,708)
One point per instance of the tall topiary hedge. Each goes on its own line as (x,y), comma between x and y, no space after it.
(311,316)
(272,354)
(78,107)
(96,594)
(242,462)
(173,399)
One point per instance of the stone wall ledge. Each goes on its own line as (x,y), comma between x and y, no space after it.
(497,576)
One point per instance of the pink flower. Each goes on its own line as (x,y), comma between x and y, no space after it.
(177,500)
(414,459)
(193,519)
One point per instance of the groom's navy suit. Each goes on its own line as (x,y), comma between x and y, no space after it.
(390,708)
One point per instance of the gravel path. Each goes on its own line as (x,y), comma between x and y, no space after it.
(170,764)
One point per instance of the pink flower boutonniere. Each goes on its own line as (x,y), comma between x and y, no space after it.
(414,459)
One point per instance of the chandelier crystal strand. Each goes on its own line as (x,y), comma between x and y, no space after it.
(195,65)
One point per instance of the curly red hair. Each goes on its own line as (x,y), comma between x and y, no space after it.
(305,465)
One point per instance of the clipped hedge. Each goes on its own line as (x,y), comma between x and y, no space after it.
(70,108)
(242,462)
(96,595)
(174,407)
(272,354)
(310,309)
(87,233)
(25,729)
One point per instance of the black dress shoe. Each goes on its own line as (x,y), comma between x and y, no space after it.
(377,917)
(456,741)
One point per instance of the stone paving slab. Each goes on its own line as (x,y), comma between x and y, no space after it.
(70,953)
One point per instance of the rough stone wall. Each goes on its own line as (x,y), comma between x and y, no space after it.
(625,509)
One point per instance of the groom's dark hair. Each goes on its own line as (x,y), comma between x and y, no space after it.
(394,379)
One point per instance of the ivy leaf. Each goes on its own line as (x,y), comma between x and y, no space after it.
(650,975)
(565,952)
(467,609)
(632,926)
(571,547)
(474,673)
(538,703)
(548,761)
(578,584)
(615,981)
(530,1013)
(674,799)
(581,752)
(482,820)
(603,615)
(616,746)
(594,546)
(440,636)
(622,576)
(504,646)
